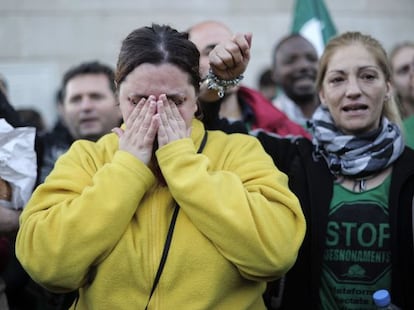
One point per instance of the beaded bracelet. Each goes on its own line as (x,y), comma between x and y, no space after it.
(215,83)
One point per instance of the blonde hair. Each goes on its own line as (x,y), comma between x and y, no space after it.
(375,48)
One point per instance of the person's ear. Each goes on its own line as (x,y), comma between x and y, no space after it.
(275,77)
(389,92)
(322,98)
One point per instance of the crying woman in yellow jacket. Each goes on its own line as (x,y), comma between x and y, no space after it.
(100,222)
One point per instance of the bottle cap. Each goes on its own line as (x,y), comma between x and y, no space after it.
(381,298)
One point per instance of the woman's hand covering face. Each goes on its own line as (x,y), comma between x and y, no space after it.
(152,120)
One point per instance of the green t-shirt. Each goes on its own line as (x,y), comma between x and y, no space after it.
(357,257)
(409,131)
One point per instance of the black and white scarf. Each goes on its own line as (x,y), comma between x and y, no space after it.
(357,156)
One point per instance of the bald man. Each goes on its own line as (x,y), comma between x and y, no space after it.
(239,104)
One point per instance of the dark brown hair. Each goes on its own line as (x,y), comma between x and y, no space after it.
(158,44)
(90,67)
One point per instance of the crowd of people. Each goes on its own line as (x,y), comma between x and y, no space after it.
(167,183)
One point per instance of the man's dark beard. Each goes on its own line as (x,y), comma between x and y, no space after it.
(153,164)
(302,99)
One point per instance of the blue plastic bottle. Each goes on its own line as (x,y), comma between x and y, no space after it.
(382,300)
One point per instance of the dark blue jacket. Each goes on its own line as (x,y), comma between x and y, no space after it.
(312,182)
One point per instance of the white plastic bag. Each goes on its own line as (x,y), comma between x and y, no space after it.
(18,164)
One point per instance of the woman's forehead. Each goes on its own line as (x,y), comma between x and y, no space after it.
(149,79)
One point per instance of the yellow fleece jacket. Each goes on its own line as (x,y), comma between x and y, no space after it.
(99,223)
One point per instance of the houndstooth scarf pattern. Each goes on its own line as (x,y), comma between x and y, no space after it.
(350,155)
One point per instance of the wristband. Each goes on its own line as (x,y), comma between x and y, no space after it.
(215,83)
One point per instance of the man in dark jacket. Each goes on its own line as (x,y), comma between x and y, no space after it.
(87,108)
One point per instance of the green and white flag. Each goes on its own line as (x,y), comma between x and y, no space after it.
(312,20)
